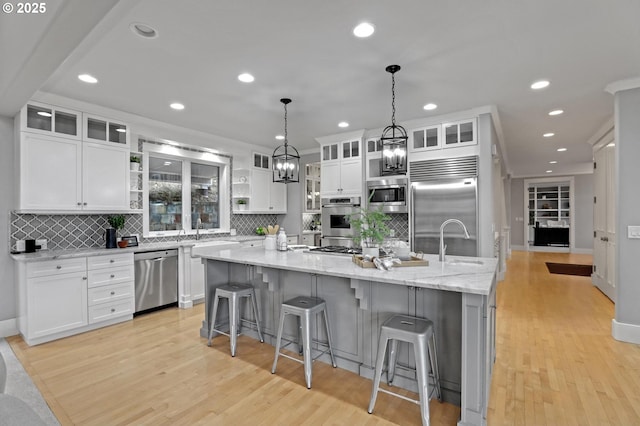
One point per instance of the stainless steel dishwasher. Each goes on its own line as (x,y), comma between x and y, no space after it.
(156,279)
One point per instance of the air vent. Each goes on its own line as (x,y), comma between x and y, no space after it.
(462,167)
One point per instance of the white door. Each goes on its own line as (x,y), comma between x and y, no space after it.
(604,221)
(105,177)
(50,173)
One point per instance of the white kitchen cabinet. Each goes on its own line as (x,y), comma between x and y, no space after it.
(111,287)
(261,194)
(341,169)
(459,133)
(62,297)
(105,177)
(36,117)
(60,174)
(425,139)
(50,175)
(104,130)
(52,297)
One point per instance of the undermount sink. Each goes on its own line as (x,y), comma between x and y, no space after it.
(465,262)
(201,247)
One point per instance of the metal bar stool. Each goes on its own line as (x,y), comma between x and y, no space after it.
(233,292)
(419,332)
(305,308)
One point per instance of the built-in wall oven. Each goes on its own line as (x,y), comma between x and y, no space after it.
(336,226)
(389,194)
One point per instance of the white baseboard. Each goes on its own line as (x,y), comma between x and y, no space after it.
(518,248)
(8,327)
(582,251)
(629,333)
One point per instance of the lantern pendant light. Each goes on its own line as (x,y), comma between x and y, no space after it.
(394,137)
(285,158)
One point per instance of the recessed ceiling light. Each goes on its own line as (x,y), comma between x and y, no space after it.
(562,149)
(556,112)
(343,124)
(143,30)
(548,135)
(553,162)
(364,29)
(44,113)
(430,107)
(246,77)
(541,84)
(549,171)
(279,137)
(87,78)
(176,105)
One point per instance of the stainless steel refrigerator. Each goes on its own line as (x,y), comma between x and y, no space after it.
(435,200)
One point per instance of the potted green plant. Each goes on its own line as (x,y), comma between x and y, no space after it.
(370,229)
(242,203)
(134,162)
(111,235)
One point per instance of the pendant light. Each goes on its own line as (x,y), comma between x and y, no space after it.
(394,137)
(285,158)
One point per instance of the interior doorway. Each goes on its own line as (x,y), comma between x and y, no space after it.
(549,208)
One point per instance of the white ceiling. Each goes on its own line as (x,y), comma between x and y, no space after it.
(459,54)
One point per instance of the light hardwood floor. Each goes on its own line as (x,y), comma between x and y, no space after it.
(557,364)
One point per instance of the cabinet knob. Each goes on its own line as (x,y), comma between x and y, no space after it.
(79,203)
(113,276)
(58,267)
(84,204)
(111,261)
(113,310)
(84,278)
(113,292)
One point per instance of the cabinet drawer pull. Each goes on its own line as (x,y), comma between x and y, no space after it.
(111,260)
(113,276)
(113,310)
(84,278)
(113,292)
(58,267)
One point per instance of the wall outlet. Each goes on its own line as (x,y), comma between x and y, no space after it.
(42,244)
(20,246)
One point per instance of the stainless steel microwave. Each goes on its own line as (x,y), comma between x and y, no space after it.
(390,194)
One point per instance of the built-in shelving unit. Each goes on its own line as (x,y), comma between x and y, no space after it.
(549,215)
(135,183)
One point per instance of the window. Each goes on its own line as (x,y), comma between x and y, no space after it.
(186,191)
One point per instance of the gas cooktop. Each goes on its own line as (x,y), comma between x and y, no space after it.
(337,250)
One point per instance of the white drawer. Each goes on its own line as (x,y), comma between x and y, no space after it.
(110,293)
(109,261)
(106,311)
(102,277)
(55,267)
(253,243)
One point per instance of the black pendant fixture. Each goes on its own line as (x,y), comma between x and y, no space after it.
(394,137)
(285,158)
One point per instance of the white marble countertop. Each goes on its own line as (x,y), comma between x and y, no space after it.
(98,251)
(460,274)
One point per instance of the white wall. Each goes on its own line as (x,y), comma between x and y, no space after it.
(7,183)
(516,210)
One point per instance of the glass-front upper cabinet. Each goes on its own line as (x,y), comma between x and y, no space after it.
(205,197)
(104,130)
(312,188)
(48,119)
(165,194)
(425,139)
(459,133)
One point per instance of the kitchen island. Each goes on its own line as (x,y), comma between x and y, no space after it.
(457,295)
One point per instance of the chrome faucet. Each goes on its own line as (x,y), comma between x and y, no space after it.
(198,223)
(443,247)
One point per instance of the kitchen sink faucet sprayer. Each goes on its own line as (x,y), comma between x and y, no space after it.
(443,247)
